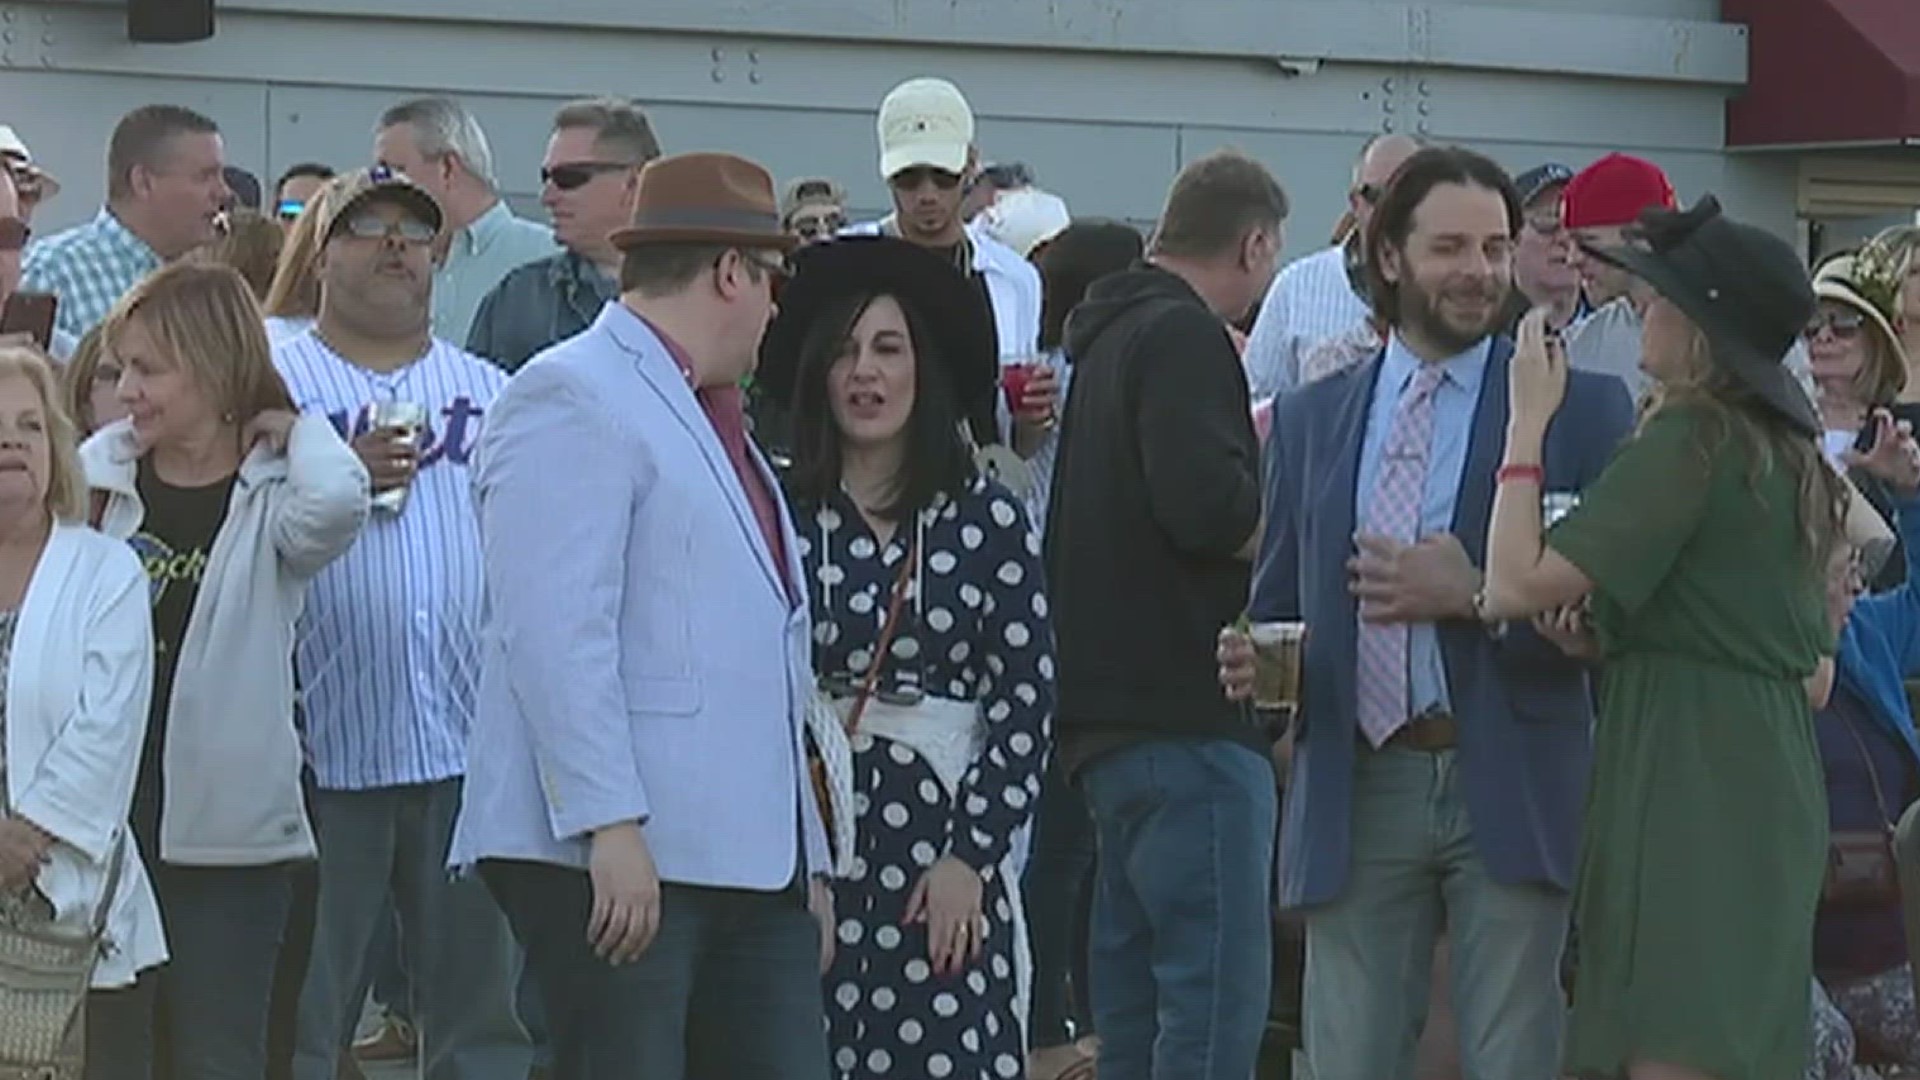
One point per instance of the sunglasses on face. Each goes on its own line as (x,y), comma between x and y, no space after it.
(1370,193)
(912,179)
(818,226)
(777,266)
(1844,325)
(290,209)
(375,227)
(13,234)
(577,174)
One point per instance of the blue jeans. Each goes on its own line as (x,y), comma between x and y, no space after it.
(1182,919)
(224,929)
(730,986)
(1058,887)
(384,850)
(1370,953)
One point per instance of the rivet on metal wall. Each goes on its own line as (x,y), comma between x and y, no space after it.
(719,76)
(1386,126)
(1424,129)
(1387,85)
(753,56)
(719,55)
(1425,108)
(10,36)
(754,77)
(1423,87)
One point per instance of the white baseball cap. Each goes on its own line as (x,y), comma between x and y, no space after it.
(925,122)
(13,146)
(1025,218)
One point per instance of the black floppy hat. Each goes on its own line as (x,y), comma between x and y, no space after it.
(1744,287)
(948,304)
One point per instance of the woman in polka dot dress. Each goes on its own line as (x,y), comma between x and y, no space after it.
(878,342)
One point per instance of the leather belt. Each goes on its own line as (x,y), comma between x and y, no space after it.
(1431,732)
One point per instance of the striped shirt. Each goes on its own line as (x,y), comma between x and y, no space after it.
(1310,302)
(89,267)
(388,652)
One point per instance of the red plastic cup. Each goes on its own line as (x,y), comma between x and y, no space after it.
(1013,382)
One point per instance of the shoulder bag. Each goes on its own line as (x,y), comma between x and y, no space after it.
(44,979)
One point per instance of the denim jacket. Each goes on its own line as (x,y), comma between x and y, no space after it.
(536,306)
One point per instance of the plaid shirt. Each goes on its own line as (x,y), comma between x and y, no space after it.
(89,267)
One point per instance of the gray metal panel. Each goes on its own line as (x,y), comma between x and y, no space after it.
(1473,106)
(68,133)
(1445,34)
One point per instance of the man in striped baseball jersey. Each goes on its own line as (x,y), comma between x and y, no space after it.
(388,651)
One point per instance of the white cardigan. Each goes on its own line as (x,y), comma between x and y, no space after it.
(232,757)
(77,691)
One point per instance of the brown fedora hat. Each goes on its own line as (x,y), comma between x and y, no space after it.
(705,199)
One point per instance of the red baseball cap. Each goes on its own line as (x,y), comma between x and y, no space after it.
(1614,190)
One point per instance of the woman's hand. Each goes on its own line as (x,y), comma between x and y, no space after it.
(947,899)
(23,851)
(1894,457)
(1567,629)
(1537,376)
(271,429)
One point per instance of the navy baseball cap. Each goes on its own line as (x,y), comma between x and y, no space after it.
(1539,178)
(244,185)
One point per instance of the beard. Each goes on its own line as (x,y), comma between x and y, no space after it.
(1426,314)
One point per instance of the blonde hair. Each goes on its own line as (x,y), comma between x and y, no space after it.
(252,246)
(1900,242)
(294,292)
(66,483)
(206,320)
(76,379)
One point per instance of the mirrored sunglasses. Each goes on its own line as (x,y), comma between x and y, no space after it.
(1845,325)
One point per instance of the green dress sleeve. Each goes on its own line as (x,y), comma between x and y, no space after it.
(1636,519)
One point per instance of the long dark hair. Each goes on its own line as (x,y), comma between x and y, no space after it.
(1392,220)
(1088,250)
(937,460)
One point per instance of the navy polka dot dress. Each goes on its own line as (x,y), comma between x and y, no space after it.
(973,628)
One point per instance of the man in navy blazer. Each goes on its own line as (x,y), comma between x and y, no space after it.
(1462,811)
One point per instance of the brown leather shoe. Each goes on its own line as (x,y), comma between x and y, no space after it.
(395,1041)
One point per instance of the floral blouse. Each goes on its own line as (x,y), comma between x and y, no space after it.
(973,627)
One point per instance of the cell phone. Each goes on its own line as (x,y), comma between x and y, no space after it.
(31,314)
(1903,410)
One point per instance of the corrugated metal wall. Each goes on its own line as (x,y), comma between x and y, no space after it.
(1105,98)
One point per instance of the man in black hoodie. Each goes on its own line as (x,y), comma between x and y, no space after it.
(1155,513)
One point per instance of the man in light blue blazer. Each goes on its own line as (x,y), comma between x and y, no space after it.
(637,793)
(1440,764)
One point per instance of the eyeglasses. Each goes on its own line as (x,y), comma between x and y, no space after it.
(1844,325)
(374,227)
(14,234)
(1546,224)
(576,174)
(912,179)
(817,226)
(1370,193)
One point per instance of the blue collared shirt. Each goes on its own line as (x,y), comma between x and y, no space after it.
(479,257)
(89,267)
(1453,407)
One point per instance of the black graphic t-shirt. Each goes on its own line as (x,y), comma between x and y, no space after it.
(173,543)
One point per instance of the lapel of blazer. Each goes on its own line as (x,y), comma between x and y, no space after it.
(655,365)
(1338,499)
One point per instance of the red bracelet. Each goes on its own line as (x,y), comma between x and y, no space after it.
(1521,472)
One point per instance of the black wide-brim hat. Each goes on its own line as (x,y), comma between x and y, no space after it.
(1744,287)
(950,307)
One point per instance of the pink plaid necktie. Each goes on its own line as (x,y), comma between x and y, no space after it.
(1393,510)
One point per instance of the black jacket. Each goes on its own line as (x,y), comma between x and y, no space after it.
(1156,491)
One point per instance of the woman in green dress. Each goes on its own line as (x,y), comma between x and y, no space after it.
(1699,557)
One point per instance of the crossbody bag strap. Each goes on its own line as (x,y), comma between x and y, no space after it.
(1873,774)
(887,632)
